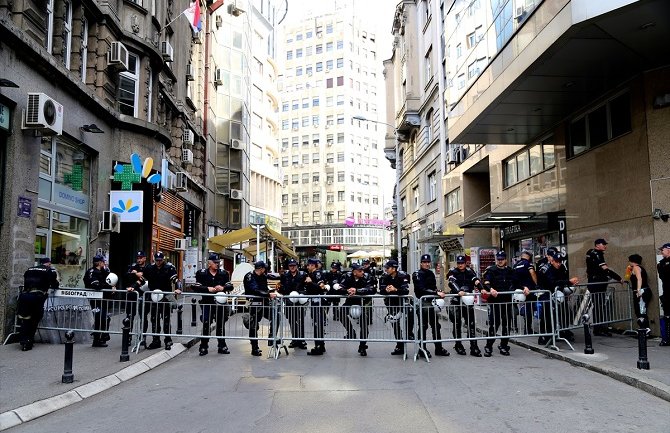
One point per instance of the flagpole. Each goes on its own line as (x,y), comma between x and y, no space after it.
(175,19)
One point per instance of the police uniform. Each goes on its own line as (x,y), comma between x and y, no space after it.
(364,286)
(462,280)
(257,285)
(595,260)
(425,288)
(162,278)
(551,277)
(135,297)
(315,287)
(370,271)
(96,278)
(523,272)
(295,314)
(211,310)
(37,281)
(333,277)
(397,306)
(663,268)
(501,279)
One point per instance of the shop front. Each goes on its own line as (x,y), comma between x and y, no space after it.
(534,234)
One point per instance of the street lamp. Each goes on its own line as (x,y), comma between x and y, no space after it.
(397,185)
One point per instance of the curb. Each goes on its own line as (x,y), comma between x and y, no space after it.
(640,382)
(40,408)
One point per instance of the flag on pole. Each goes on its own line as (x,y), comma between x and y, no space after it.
(193,15)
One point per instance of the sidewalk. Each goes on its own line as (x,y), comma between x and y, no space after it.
(615,357)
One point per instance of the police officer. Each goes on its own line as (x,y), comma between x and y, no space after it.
(37,281)
(332,278)
(96,278)
(162,276)
(293,280)
(663,268)
(135,286)
(463,280)
(526,280)
(210,281)
(357,284)
(370,271)
(393,284)
(256,284)
(498,278)
(425,288)
(314,286)
(553,278)
(598,272)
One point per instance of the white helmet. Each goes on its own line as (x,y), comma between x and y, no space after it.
(336,286)
(438,304)
(468,299)
(559,296)
(568,290)
(326,287)
(393,318)
(355,311)
(221,298)
(518,296)
(144,287)
(112,279)
(156,296)
(293,297)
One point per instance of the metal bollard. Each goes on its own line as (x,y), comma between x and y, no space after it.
(125,340)
(588,345)
(642,362)
(180,322)
(68,377)
(194,322)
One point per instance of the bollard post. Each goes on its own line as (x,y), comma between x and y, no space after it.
(642,362)
(194,322)
(180,322)
(68,377)
(125,340)
(588,345)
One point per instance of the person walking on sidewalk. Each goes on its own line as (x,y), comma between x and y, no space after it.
(256,284)
(425,288)
(37,281)
(163,277)
(498,278)
(641,291)
(598,272)
(211,281)
(663,268)
(96,279)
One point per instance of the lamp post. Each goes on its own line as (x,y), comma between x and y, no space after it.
(397,185)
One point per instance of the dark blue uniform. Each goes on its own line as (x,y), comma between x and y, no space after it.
(161,278)
(462,280)
(37,281)
(502,279)
(295,314)
(522,273)
(211,310)
(663,268)
(595,260)
(396,305)
(136,296)
(425,285)
(259,308)
(313,288)
(364,287)
(95,278)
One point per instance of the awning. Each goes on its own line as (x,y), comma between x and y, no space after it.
(228,239)
(495,219)
(248,234)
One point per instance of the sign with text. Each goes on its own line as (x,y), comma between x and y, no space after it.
(77,293)
(127,205)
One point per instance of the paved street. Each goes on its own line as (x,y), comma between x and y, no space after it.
(525,392)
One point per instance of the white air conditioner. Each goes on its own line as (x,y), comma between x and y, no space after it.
(44,114)
(236,144)
(217,77)
(219,21)
(167,51)
(330,143)
(110,222)
(187,137)
(187,156)
(181,182)
(180,244)
(117,56)
(305,202)
(330,182)
(519,12)
(309,74)
(235,194)
(190,72)
(171,181)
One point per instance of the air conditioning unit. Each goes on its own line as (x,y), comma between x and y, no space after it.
(330,182)
(187,156)
(197,38)
(110,222)
(217,77)
(219,21)
(190,72)
(305,202)
(167,51)
(187,137)
(519,12)
(180,244)
(309,74)
(235,194)
(44,114)
(330,143)
(237,144)
(117,56)
(181,182)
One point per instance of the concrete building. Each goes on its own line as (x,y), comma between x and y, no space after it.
(332,199)
(85,85)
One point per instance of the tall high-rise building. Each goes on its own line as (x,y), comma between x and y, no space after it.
(332,162)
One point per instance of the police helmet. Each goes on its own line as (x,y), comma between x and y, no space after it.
(336,286)
(468,299)
(559,296)
(438,304)
(112,279)
(568,290)
(145,286)
(519,296)
(355,311)
(393,318)
(221,298)
(157,296)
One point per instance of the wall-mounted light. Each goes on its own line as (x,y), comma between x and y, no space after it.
(659,215)
(92,128)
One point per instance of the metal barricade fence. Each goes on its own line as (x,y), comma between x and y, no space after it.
(14,302)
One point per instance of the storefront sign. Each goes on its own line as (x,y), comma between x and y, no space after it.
(190,265)
(128,174)
(25,207)
(336,247)
(166,219)
(5,115)
(562,232)
(127,205)
(189,215)
(66,196)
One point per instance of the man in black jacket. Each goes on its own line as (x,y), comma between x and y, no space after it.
(37,281)
(293,280)
(663,268)
(135,282)
(211,281)
(553,278)
(597,271)
(462,281)
(162,276)
(314,286)
(356,285)
(499,278)
(425,288)
(256,284)
(394,285)
(96,278)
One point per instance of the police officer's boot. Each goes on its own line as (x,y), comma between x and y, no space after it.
(255,351)
(474,350)
(399,349)
(458,347)
(168,343)
(155,343)
(441,351)
(362,349)
(666,341)
(97,341)
(488,350)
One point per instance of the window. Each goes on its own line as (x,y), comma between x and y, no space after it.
(319,49)
(340,195)
(295,142)
(289,55)
(50,25)
(284,124)
(340,63)
(308,70)
(340,156)
(284,106)
(529,162)
(470,40)
(309,34)
(284,161)
(600,125)
(432,186)
(316,216)
(340,45)
(429,126)
(329,83)
(316,197)
(459,50)
(329,101)
(315,137)
(298,37)
(308,51)
(329,28)
(305,179)
(453,201)
(340,119)
(329,46)
(294,160)
(294,179)
(67,34)
(315,158)
(298,71)
(340,176)
(129,87)
(415,195)
(330,158)
(319,66)
(284,199)
(329,65)
(315,120)
(315,101)
(298,53)
(428,66)
(84,48)
(295,104)
(340,81)
(340,99)
(284,143)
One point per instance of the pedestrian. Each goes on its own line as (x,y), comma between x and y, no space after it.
(358,286)
(37,281)
(599,275)
(293,281)
(526,280)
(498,283)
(315,286)
(555,280)
(425,288)
(663,268)
(96,278)
(136,286)
(256,285)
(210,281)
(394,284)
(462,281)
(641,292)
(162,276)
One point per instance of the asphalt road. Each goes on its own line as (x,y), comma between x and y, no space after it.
(342,392)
